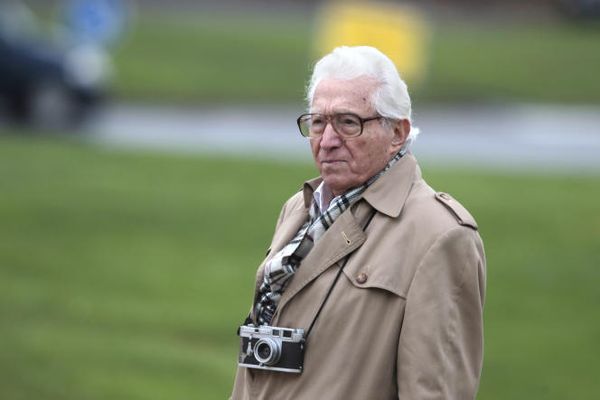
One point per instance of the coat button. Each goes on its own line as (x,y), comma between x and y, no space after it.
(362,278)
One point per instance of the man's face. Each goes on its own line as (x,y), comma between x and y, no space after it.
(346,163)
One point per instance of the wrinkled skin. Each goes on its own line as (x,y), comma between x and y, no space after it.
(348,163)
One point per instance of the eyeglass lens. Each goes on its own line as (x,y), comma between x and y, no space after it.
(343,124)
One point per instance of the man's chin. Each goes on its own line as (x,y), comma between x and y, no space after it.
(336,184)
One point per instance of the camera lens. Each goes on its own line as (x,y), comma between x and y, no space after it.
(267,351)
(264,351)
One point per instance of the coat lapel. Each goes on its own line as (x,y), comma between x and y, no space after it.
(288,229)
(341,239)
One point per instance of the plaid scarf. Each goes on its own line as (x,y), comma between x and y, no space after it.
(279,271)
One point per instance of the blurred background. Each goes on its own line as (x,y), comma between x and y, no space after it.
(136,135)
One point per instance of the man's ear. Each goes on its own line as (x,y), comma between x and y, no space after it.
(401,131)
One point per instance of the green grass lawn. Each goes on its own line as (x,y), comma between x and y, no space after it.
(124,275)
(232,58)
(214,59)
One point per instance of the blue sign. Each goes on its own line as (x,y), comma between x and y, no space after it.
(98,21)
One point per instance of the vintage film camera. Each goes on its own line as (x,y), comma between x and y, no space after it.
(271,348)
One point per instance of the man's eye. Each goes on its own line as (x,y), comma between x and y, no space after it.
(349,121)
(317,122)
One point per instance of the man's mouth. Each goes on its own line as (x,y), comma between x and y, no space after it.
(332,161)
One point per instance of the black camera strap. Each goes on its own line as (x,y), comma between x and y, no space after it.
(337,277)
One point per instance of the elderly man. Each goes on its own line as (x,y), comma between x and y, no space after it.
(374,284)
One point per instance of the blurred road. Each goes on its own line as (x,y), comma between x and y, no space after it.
(555,138)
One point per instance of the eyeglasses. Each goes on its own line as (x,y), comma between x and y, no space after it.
(347,125)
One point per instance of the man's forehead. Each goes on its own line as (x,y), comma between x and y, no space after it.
(344,95)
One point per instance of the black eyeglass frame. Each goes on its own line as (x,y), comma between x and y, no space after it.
(329,120)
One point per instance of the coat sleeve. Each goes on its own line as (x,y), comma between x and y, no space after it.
(440,349)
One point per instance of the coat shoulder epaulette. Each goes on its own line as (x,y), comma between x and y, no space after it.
(463,217)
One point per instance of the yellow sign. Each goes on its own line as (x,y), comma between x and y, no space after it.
(399,32)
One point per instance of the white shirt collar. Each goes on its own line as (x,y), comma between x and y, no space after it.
(323,197)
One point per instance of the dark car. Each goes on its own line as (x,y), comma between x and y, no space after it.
(582,9)
(43,82)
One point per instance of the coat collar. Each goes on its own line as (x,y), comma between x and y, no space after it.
(388,193)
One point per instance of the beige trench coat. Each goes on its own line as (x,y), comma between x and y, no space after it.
(404,321)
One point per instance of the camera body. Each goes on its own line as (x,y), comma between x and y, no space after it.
(271,348)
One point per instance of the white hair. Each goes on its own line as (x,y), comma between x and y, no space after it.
(391,99)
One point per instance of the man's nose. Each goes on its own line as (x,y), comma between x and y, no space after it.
(330,138)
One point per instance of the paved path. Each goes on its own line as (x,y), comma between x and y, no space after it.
(553,138)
